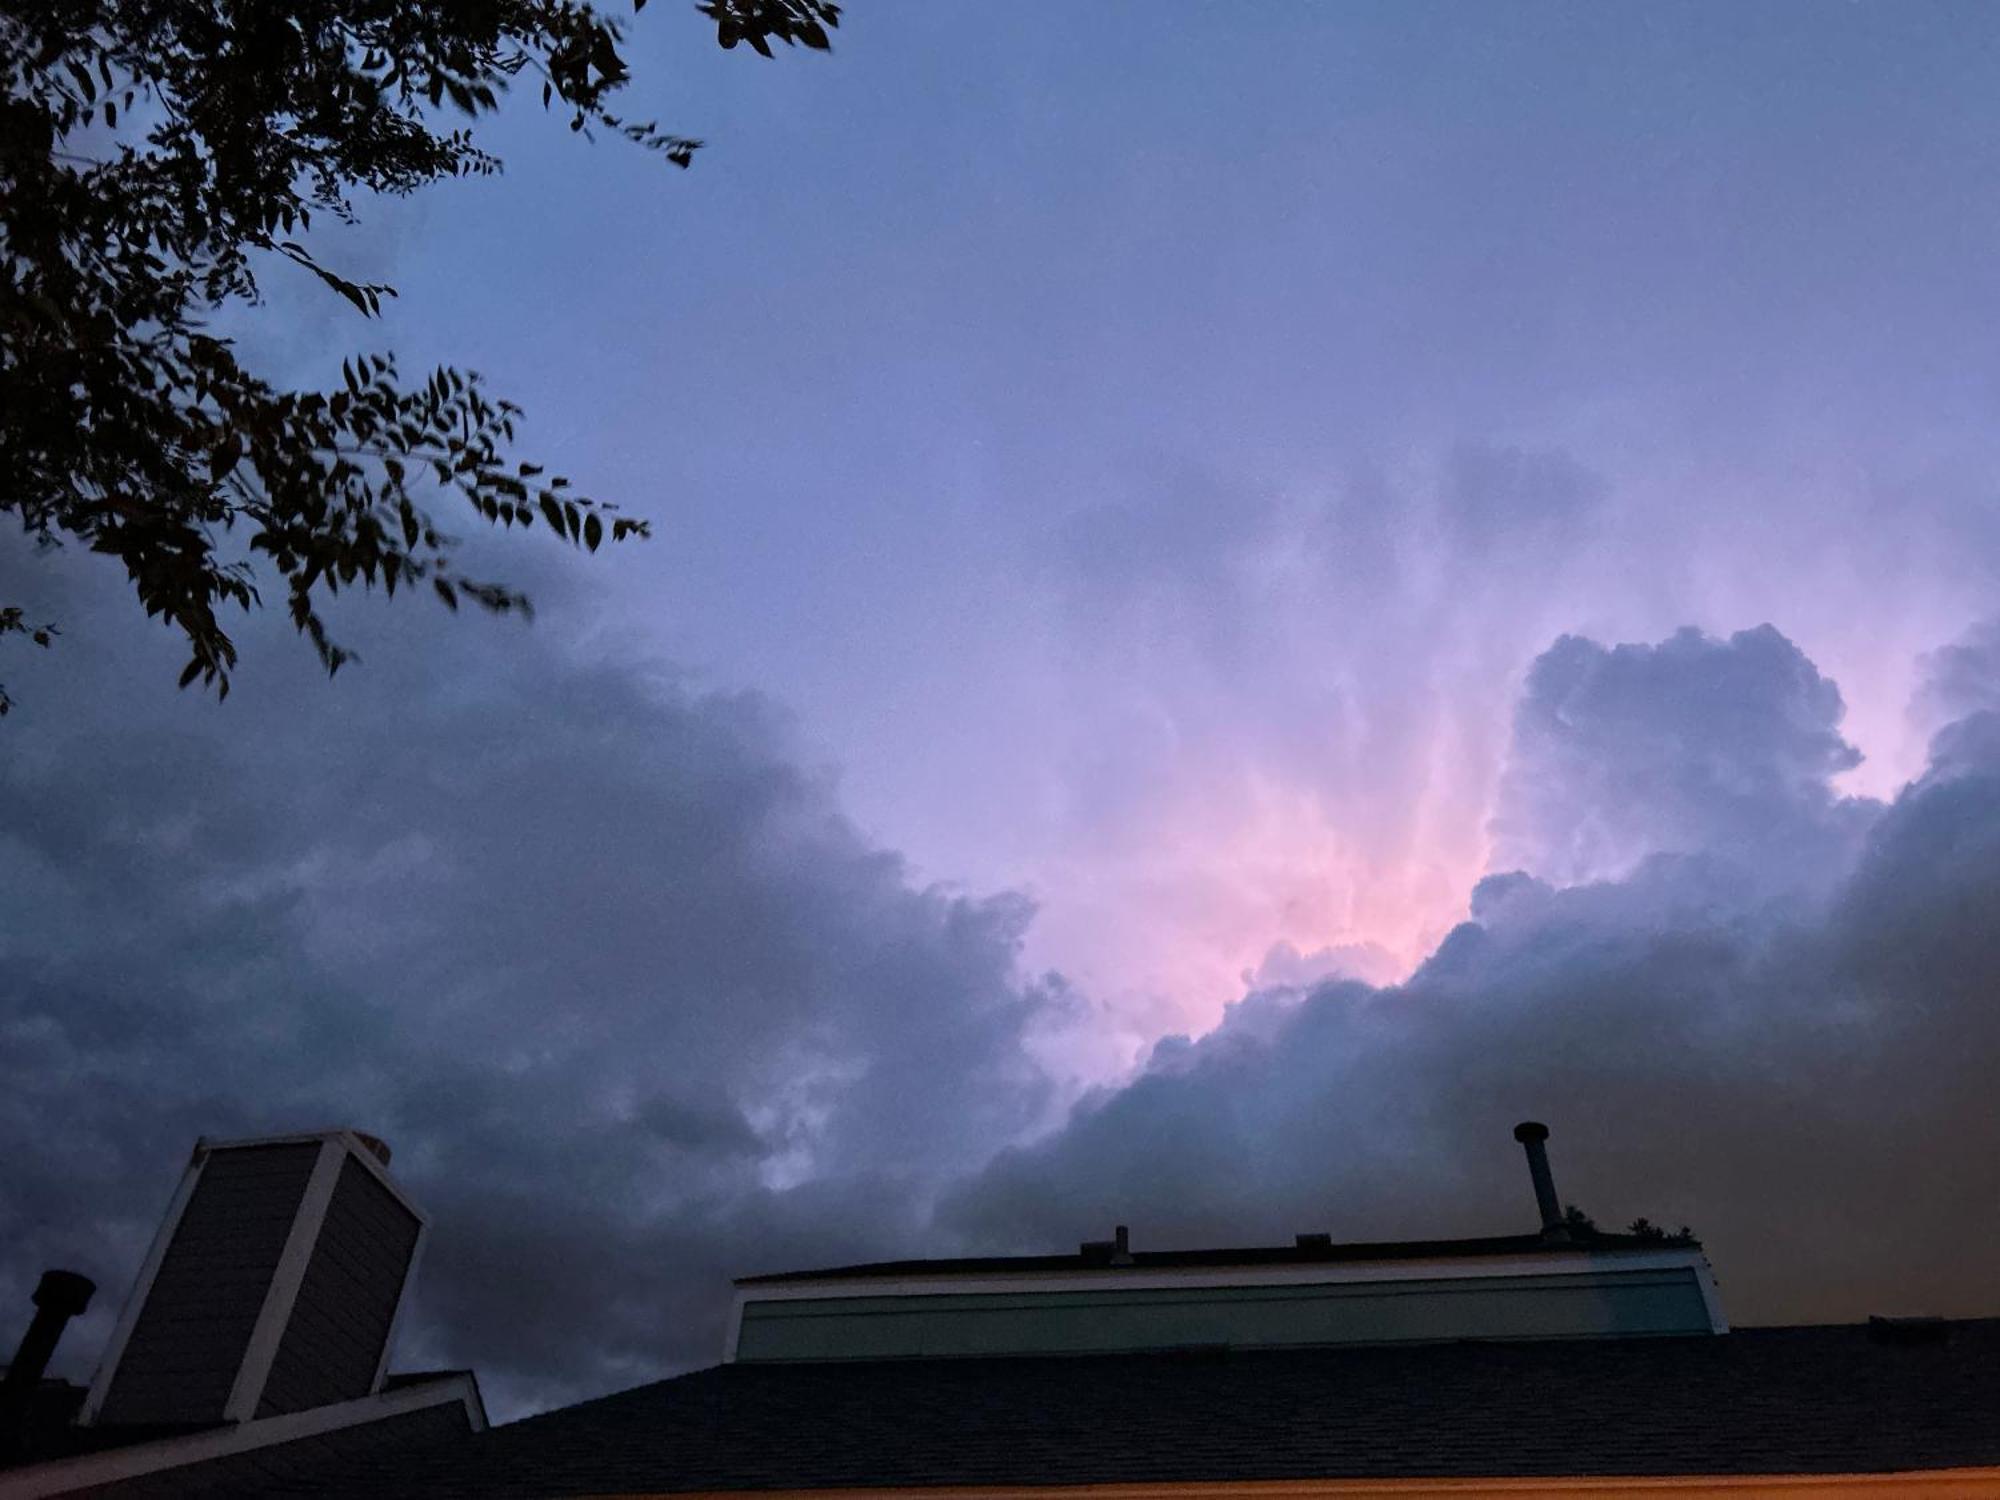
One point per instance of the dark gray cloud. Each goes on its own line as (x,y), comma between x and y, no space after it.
(1801,1071)
(1960,679)
(638,1008)
(1694,744)
(641,1010)
(1527,500)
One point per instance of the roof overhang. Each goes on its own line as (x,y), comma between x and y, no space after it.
(108,1466)
(1913,1484)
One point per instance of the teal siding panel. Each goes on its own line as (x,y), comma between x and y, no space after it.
(1587,1305)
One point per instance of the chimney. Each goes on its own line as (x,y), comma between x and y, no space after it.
(273,1286)
(1533,1136)
(62,1295)
(1121,1246)
(377,1147)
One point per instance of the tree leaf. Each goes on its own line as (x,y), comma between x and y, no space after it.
(272,114)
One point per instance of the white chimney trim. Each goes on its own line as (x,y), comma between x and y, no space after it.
(247,1390)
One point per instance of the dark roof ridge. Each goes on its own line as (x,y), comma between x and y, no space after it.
(813,1369)
(1738,1334)
(1590,1241)
(1804,1399)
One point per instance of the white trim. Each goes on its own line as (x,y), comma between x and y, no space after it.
(142,1285)
(1438,1268)
(734,1336)
(1324,1273)
(248,1388)
(373,1163)
(255,1368)
(1704,1277)
(64,1475)
(403,1300)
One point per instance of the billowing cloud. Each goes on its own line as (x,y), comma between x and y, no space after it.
(1799,1069)
(635,1004)
(1692,745)
(641,1010)
(1288,709)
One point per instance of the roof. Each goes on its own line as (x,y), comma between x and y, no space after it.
(1310,1250)
(263,1456)
(1817,1400)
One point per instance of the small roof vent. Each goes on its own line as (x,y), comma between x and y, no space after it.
(1112,1252)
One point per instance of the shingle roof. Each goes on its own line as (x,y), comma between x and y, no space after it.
(1780,1400)
(1306,1252)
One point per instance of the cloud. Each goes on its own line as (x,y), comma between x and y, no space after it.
(640,1010)
(1800,1069)
(1285,966)
(1693,744)
(1535,501)
(1957,699)
(1961,678)
(1288,706)
(637,1007)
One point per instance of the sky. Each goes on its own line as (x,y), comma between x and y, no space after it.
(1240,599)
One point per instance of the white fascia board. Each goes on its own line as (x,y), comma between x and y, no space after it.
(289,1138)
(404,1298)
(735,1334)
(1704,1278)
(65,1475)
(1325,1273)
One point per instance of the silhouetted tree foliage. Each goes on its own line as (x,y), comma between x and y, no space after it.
(1646,1229)
(1583,1226)
(156,158)
(1643,1229)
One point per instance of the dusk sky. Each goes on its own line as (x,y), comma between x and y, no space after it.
(1241,597)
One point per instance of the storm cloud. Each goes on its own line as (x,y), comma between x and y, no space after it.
(1259,502)
(1794,1058)
(640,1009)
(636,1006)
(1691,746)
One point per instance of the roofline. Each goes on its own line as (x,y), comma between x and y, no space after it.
(1558,1261)
(1249,1257)
(1907,1484)
(61,1476)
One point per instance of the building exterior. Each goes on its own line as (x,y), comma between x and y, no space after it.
(254,1347)
(1564,1361)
